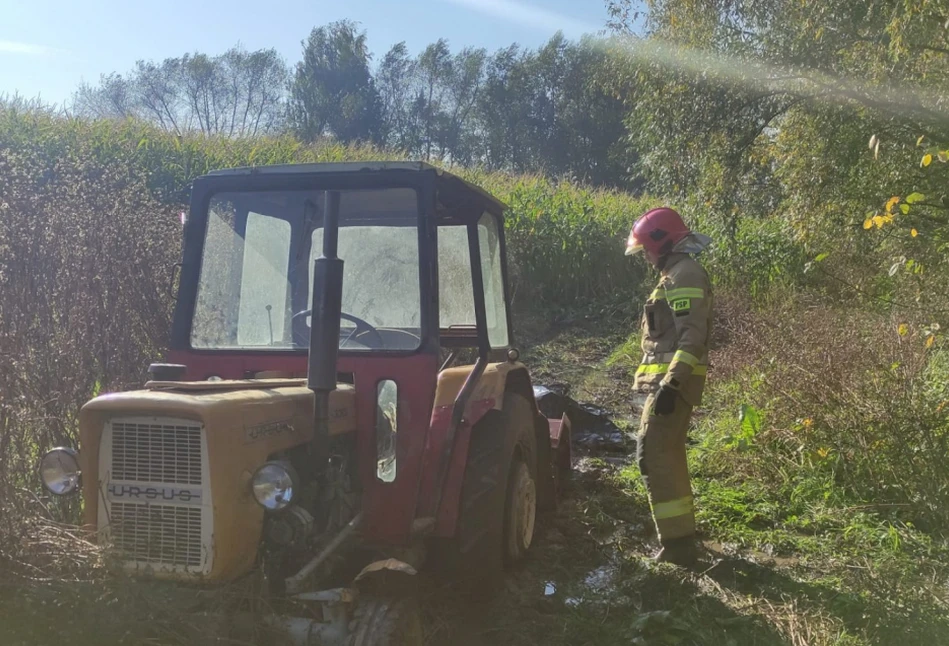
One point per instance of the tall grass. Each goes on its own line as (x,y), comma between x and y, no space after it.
(566,241)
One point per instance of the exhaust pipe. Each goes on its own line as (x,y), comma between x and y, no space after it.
(324,330)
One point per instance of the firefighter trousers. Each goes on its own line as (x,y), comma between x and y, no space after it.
(665,470)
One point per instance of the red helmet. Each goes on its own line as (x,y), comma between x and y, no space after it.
(656,232)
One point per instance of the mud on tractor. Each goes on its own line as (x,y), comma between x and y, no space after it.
(315,435)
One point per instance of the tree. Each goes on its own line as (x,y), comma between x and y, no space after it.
(580,121)
(433,69)
(505,111)
(465,81)
(256,82)
(547,110)
(332,92)
(759,115)
(394,80)
(429,102)
(159,96)
(203,82)
(238,93)
(113,98)
(550,111)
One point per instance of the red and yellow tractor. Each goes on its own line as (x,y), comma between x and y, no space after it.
(315,429)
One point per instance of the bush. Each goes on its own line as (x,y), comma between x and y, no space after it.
(837,406)
(84,273)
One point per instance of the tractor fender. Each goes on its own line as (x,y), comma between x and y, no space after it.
(389,576)
(487,398)
(488,393)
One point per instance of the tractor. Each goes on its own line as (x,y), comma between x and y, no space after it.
(341,407)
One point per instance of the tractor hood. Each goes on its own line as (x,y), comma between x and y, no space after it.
(166,470)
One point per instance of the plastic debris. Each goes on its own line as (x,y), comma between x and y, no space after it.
(592,426)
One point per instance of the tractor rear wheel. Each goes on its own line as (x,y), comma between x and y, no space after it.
(498,498)
(383,621)
(520,512)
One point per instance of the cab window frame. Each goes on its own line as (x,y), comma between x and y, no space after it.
(195,237)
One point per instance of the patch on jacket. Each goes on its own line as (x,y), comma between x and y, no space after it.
(681,306)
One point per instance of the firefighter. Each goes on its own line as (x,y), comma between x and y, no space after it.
(676,325)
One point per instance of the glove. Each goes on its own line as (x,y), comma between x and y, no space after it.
(665,400)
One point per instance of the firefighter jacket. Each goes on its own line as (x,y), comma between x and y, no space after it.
(676,329)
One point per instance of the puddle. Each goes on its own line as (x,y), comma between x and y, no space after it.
(596,584)
(620,537)
(550,589)
(600,579)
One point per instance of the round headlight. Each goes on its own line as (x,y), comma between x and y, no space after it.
(272,486)
(59,471)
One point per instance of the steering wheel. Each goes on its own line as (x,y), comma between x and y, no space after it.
(362,327)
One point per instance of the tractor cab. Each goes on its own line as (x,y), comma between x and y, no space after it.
(314,398)
(423,265)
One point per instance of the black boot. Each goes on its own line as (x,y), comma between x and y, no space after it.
(679,551)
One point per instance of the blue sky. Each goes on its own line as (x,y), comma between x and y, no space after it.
(48,46)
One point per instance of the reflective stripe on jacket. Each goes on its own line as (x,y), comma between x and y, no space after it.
(676,328)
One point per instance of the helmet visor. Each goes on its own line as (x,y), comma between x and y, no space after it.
(633,246)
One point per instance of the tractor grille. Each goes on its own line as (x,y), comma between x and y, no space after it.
(158,509)
(157,534)
(156,452)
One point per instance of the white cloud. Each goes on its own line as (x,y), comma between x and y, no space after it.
(13,47)
(530,16)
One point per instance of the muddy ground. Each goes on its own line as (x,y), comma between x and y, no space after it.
(589,578)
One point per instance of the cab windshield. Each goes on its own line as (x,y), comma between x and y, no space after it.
(254,290)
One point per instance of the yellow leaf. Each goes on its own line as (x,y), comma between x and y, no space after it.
(808,422)
(930,341)
(903,329)
(892,202)
(886,218)
(919,142)
(868,223)
(878,221)
(943,156)
(913,232)
(927,160)
(823,452)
